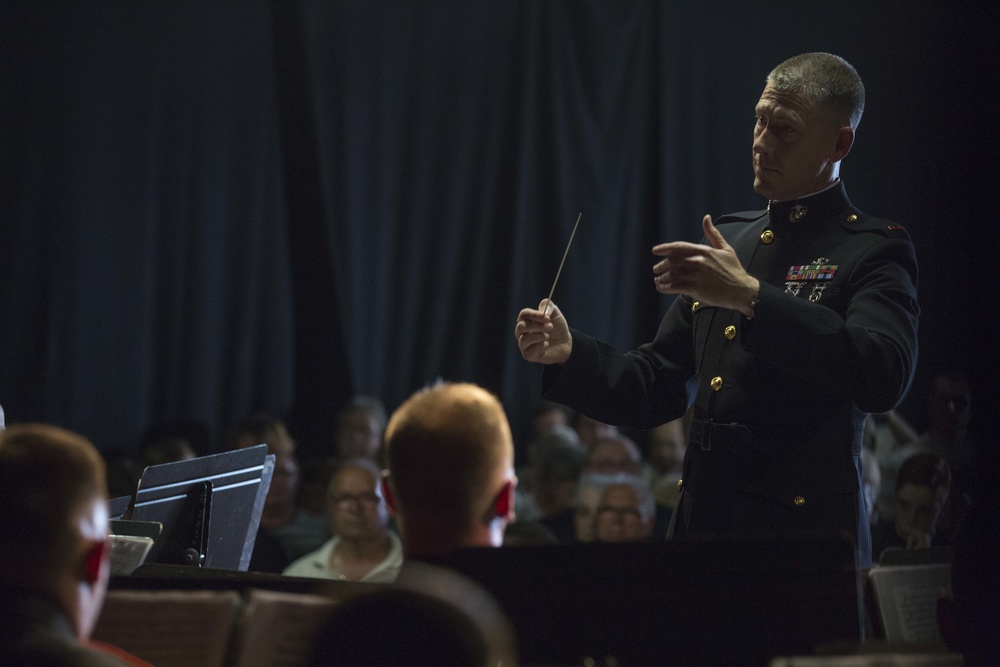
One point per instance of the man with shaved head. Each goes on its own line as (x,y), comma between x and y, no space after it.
(53,547)
(791,324)
(451,476)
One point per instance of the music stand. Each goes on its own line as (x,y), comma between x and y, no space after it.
(209,506)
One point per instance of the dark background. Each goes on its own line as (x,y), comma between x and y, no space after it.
(208,209)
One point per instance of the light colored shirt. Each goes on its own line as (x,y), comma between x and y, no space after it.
(317,564)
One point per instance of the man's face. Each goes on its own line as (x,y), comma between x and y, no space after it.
(917,510)
(357,510)
(667,446)
(949,404)
(358,435)
(590,430)
(793,146)
(610,456)
(547,421)
(620,517)
(285,481)
(583,514)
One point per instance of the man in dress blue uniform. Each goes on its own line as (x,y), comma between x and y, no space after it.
(792,324)
(54,548)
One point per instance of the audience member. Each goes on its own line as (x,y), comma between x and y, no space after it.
(166,450)
(590,430)
(555,461)
(169,440)
(451,475)
(667,446)
(948,410)
(885,432)
(921,491)
(576,523)
(358,432)
(614,454)
(546,416)
(54,547)
(362,547)
(314,485)
(528,534)
(626,512)
(285,532)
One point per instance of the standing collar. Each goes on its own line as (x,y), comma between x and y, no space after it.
(822,205)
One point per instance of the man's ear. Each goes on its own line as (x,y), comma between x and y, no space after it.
(387,493)
(94,560)
(845,139)
(504,504)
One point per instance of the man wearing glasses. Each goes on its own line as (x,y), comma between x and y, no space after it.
(362,548)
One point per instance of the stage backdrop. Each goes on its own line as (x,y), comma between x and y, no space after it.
(208,209)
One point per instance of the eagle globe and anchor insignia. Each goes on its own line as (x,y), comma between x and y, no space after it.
(817,275)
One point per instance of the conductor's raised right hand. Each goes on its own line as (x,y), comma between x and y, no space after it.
(543,337)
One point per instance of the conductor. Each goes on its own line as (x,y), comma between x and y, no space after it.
(791,324)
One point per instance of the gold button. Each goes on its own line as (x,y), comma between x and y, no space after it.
(767,237)
(852,218)
(799,501)
(716,383)
(694,306)
(730,332)
(680,483)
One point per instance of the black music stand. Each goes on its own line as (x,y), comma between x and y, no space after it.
(210,507)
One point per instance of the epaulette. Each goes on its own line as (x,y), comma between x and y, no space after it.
(854,220)
(742,216)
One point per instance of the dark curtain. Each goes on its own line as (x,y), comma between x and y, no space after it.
(214,209)
(144,258)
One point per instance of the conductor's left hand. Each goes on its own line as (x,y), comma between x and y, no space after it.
(710,273)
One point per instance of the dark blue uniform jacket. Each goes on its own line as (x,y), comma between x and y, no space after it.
(779,400)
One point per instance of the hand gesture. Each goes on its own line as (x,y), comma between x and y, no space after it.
(711,273)
(543,335)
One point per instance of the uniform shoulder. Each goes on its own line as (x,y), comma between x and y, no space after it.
(742,216)
(856,221)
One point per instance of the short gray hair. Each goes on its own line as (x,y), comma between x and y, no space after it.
(602,482)
(827,80)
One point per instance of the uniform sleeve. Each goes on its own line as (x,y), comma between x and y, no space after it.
(870,354)
(639,389)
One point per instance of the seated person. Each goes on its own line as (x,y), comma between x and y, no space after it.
(286,532)
(626,512)
(359,427)
(666,448)
(590,430)
(614,454)
(362,547)
(54,547)
(576,523)
(921,492)
(451,479)
(556,459)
